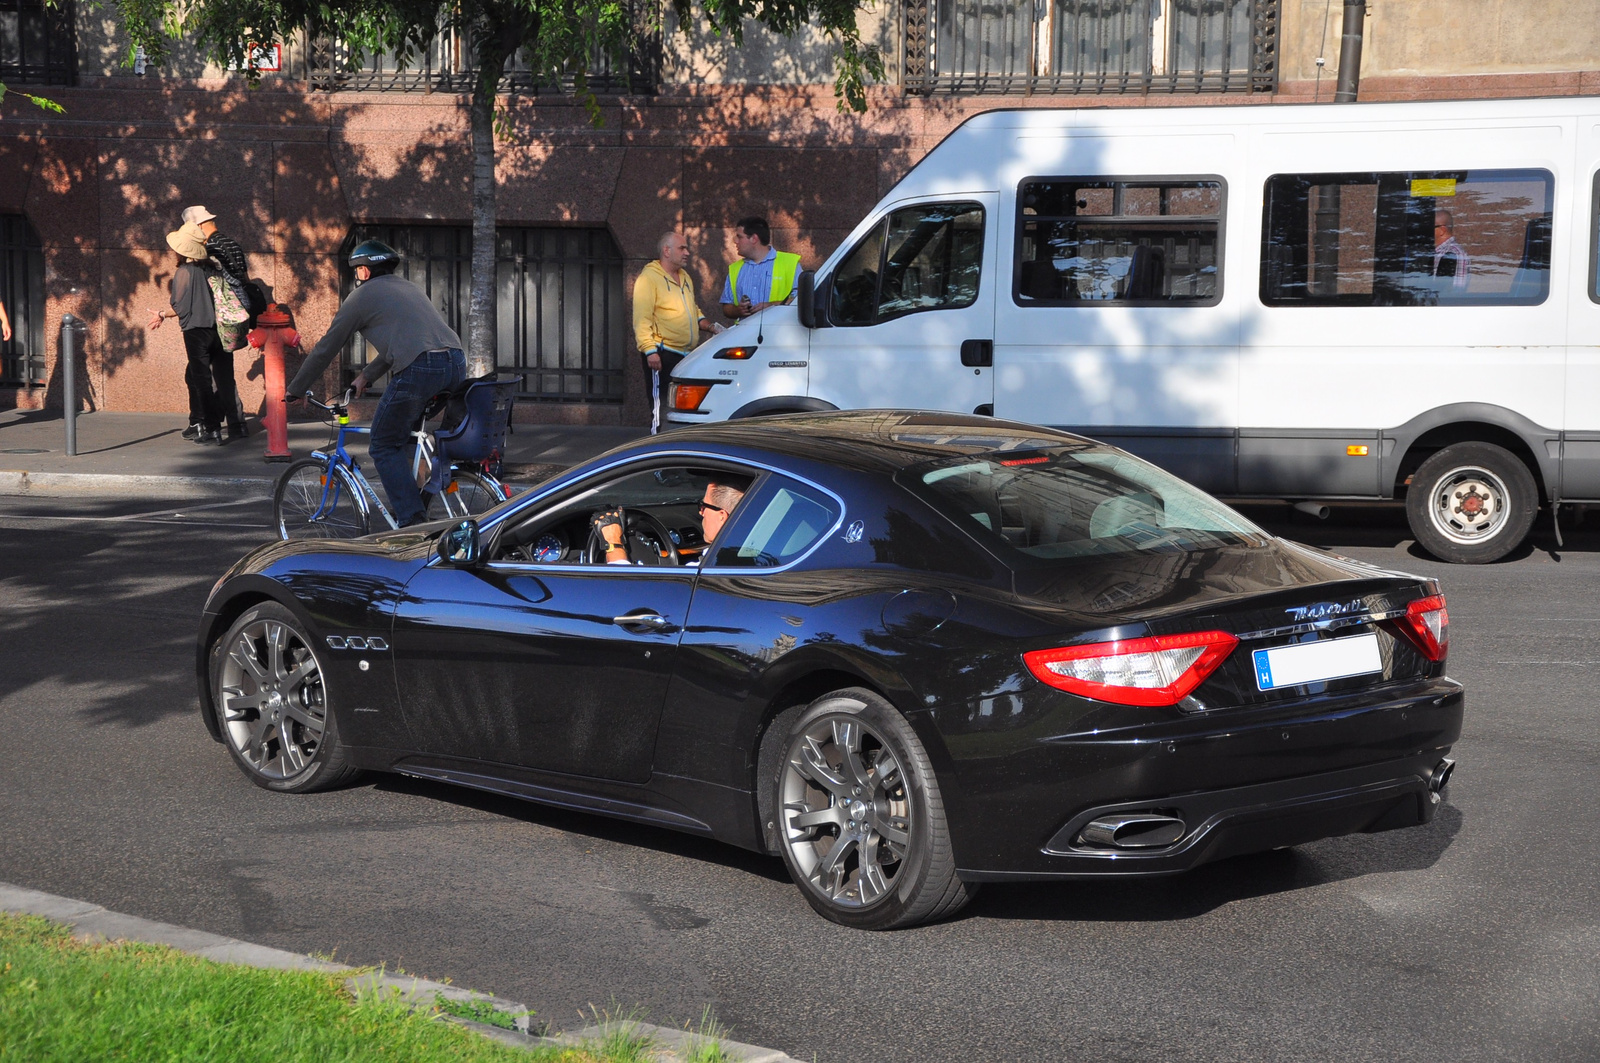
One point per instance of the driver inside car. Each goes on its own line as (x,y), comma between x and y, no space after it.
(719,501)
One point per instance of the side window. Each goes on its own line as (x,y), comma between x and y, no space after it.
(925,257)
(662,519)
(1594,242)
(1145,241)
(1417,238)
(778,526)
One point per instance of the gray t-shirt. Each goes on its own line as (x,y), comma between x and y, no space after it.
(394,316)
(191,297)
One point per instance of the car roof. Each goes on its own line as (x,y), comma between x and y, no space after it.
(868,441)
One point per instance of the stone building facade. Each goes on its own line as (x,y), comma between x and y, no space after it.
(318,155)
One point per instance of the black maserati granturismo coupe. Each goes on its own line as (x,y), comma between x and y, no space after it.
(907,652)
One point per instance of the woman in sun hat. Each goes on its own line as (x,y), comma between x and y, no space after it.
(210,369)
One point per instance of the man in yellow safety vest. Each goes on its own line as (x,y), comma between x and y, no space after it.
(761,276)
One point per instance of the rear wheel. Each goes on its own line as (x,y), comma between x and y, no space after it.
(272,704)
(312,503)
(466,495)
(1471,503)
(860,821)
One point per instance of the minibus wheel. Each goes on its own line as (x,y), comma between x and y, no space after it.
(1471,503)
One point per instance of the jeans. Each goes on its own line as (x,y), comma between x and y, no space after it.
(399,411)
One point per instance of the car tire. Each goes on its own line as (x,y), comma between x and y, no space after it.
(1471,503)
(268,692)
(860,820)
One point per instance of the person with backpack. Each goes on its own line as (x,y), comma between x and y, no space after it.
(238,299)
(209,373)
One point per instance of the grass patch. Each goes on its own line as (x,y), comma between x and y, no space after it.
(67,1000)
(479,1011)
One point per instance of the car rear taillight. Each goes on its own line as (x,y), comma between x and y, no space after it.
(1427,625)
(689,396)
(1161,670)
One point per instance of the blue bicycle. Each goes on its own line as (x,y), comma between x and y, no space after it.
(326,496)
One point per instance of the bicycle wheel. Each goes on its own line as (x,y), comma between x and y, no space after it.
(466,495)
(310,502)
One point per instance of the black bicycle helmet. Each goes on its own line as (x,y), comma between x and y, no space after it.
(373,253)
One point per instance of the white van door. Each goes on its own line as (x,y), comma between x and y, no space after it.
(910,311)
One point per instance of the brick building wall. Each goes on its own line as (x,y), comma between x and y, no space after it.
(289,173)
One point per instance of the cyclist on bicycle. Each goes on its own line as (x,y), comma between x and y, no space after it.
(421,353)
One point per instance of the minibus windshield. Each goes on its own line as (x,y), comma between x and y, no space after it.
(1076,501)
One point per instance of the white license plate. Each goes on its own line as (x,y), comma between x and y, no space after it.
(1316,662)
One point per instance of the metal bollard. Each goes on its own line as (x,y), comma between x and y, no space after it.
(69,378)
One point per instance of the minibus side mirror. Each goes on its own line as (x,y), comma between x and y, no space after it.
(806,300)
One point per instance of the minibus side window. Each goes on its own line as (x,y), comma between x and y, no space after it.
(1141,241)
(919,258)
(1594,242)
(1415,238)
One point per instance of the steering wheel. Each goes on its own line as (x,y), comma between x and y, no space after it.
(643,535)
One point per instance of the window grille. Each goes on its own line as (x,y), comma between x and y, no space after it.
(38,44)
(561,311)
(446,66)
(1090,46)
(22,360)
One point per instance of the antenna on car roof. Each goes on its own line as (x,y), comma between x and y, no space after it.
(761,321)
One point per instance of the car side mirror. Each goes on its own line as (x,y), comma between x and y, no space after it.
(806,301)
(460,545)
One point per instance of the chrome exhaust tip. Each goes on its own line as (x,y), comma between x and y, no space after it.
(1132,830)
(1312,509)
(1440,775)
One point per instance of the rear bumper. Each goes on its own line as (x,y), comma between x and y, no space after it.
(1240,783)
(1246,819)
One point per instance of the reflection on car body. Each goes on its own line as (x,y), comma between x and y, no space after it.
(925,651)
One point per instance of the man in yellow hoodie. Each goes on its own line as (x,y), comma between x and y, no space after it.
(666,319)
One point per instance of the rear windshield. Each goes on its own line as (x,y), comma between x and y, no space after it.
(1076,501)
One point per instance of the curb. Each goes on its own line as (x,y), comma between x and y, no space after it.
(93,922)
(14,482)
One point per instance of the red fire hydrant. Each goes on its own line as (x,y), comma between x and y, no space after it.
(272,332)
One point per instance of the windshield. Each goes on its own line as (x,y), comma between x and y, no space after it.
(1076,501)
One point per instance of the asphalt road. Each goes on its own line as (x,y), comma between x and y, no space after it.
(1475,938)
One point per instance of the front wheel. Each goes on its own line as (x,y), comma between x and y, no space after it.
(271,700)
(861,823)
(312,502)
(466,495)
(1471,503)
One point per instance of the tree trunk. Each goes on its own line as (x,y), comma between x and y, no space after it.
(481,330)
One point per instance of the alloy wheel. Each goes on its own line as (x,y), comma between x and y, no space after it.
(846,811)
(272,700)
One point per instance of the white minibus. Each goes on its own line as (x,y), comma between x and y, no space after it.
(1356,301)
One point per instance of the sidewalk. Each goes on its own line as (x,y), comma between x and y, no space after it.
(132,453)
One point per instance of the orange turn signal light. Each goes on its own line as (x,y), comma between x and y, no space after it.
(689,396)
(1356,450)
(738,354)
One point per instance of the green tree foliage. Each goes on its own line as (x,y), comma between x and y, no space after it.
(559,40)
(49,105)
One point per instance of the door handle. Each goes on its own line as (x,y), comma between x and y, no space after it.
(976,354)
(650,621)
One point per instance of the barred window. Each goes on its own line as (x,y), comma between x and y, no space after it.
(1136,240)
(38,44)
(22,358)
(1091,46)
(560,312)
